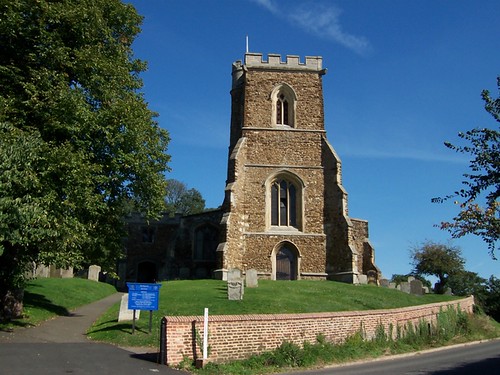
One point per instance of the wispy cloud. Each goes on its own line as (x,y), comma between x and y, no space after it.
(321,20)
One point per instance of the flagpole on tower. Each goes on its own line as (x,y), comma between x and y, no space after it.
(247,44)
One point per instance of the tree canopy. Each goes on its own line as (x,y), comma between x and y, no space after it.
(440,260)
(482,184)
(181,200)
(78,144)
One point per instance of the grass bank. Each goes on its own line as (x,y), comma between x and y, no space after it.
(45,298)
(271,297)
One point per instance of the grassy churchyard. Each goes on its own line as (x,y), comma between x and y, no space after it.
(190,297)
(45,298)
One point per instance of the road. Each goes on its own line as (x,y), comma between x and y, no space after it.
(475,358)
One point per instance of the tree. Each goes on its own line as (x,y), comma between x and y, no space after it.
(78,144)
(467,283)
(180,200)
(438,260)
(480,219)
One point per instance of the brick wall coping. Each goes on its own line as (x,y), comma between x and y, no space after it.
(317,315)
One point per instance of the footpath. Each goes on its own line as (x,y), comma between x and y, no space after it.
(60,346)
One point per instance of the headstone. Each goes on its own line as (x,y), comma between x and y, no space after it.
(372,277)
(393,286)
(405,287)
(448,292)
(235,290)
(363,279)
(125,313)
(235,286)
(251,279)
(411,278)
(416,287)
(384,283)
(233,274)
(426,289)
(94,273)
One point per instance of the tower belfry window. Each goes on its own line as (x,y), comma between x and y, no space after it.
(284,102)
(282,111)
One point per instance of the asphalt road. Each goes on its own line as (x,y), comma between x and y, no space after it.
(60,346)
(475,358)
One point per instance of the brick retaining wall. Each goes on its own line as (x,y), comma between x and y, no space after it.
(239,336)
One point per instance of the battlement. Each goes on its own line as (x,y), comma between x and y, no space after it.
(256,60)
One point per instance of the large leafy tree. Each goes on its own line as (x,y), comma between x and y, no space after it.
(78,144)
(436,259)
(479,199)
(181,200)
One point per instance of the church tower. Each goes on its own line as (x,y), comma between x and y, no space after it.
(285,209)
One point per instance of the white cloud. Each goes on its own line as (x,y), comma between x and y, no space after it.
(321,20)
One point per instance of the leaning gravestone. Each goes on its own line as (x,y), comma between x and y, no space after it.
(416,287)
(94,273)
(251,280)
(235,287)
(372,277)
(125,313)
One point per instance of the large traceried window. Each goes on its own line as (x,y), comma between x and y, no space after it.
(284,100)
(283,204)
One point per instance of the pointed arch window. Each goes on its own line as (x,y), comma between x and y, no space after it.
(283,204)
(282,116)
(284,103)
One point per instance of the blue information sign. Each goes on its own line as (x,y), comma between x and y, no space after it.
(143,296)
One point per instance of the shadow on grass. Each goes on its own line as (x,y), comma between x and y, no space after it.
(33,300)
(39,301)
(114,326)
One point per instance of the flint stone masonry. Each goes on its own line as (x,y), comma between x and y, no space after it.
(237,337)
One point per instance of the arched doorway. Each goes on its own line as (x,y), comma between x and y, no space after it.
(146,272)
(286,263)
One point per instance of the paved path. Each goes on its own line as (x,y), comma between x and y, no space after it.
(60,346)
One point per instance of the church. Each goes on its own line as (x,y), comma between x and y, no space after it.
(285,210)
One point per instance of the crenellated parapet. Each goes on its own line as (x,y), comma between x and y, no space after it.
(292,62)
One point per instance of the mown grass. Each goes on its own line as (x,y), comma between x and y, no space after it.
(190,297)
(45,298)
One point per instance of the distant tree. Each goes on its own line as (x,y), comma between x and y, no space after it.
(180,200)
(491,302)
(78,144)
(480,219)
(438,260)
(467,283)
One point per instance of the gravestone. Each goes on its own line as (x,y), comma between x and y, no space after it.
(416,287)
(411,278)
(372,277)
(405,287)
(94,273)
(384,283)
(235,285)
(362,279)
(251,279)
(125,313)
(393,286)
(233,274)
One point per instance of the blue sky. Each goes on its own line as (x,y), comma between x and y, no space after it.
(403,77)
